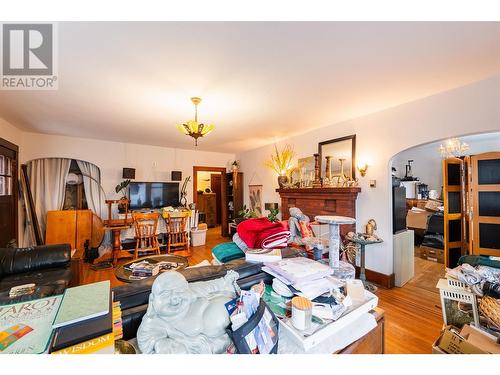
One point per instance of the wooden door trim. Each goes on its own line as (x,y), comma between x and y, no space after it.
(15,183)
(223,198)
(475,188)
(454,216)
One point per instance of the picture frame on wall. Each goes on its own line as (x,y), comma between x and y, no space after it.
(339,148)
(306,166)
(255,199)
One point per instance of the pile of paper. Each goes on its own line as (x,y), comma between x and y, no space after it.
(309,278)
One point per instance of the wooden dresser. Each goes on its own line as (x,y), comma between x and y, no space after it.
(321,201)
(207,203)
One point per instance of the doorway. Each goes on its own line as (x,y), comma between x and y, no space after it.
(8,193)
(210,195)
(437,200)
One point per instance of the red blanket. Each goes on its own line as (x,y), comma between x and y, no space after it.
(255,231)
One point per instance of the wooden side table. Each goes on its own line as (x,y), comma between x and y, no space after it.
(362,275)
(117,252)
(373,342)
(76,266)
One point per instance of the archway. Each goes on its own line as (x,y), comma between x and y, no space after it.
(427,176)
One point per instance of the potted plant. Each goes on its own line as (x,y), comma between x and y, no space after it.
(244,214)
(281,163)
(121,188)
(273,214)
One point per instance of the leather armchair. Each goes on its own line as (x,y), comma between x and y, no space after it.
(48,267)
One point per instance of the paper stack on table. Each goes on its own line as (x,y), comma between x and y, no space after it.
(310,278)
(298,270)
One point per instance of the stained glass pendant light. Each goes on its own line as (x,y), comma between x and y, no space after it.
(192,127)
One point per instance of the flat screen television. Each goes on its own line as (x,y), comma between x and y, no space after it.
(153,194)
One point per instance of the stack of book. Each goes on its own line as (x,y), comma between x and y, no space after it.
(117,320)
(80,321)
(21,290)
(26,327)
(84,322)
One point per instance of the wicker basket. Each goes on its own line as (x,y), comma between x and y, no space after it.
(490,308)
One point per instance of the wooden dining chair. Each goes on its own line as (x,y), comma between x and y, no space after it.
(145,232)
(177,232)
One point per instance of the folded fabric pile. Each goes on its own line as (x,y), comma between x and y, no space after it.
(227,251)
(476,277)
(261,233)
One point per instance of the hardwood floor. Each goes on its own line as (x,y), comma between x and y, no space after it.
(413,317)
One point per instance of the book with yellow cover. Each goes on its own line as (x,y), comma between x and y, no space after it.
(100,345)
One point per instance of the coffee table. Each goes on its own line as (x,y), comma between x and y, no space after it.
(124,274)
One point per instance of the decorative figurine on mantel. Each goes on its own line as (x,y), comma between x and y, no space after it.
(187,318)
(317,172)
(327,180)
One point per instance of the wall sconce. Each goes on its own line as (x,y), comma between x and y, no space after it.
(362,168)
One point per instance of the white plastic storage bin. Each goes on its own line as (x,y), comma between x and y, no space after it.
(198,237)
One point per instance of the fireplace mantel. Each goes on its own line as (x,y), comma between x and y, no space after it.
(321,201)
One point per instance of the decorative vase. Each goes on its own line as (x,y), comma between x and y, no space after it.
(282,180)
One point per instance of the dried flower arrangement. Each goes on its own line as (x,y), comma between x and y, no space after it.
(281,160)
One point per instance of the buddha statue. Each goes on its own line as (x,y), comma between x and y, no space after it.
(187,318)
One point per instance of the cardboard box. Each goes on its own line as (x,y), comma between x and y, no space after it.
(433,205)
(470,341)
(417,219)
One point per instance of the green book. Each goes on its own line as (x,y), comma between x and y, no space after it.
(26,327)
(82,303)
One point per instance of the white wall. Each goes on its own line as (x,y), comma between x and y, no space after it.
(152,163)
(427,165)
(9,132)
(470,109)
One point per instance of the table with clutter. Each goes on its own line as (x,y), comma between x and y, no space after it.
(309,307)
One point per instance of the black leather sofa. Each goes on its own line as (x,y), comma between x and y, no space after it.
(48,267)
(134,297)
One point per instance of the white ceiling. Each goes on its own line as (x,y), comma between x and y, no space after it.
(131,82)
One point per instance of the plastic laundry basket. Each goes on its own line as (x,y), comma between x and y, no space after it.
(198,237)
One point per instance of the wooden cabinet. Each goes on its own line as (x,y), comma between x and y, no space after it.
(234,193)
(207,203)
(74,227)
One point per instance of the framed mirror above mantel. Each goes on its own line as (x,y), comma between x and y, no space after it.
(343,156)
